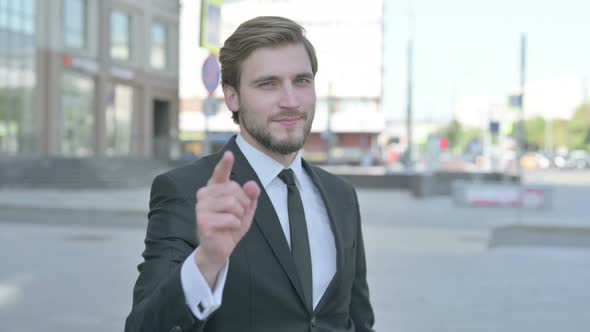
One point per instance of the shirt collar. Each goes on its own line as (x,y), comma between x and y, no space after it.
(265,167)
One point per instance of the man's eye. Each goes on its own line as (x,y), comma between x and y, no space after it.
(302,81)
(266,84)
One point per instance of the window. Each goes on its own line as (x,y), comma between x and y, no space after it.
(19,124)
(77,115)
(120,35)
(119,120)
(74,18)
(159,46)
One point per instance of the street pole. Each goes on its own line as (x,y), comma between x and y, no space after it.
(211,76)
(409,159)
(521,129)
(329,135)
(206,143)
(522,83)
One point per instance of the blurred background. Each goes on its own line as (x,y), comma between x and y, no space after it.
(464,125)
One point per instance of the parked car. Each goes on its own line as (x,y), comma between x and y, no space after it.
(578,159)
(535,160)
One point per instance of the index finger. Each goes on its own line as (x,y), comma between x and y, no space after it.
(223,168)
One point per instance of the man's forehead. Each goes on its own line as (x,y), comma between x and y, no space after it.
(288,59)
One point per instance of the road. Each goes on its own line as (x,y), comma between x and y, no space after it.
(429,268)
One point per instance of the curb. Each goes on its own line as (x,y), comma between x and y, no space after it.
(540,235)
(76,209)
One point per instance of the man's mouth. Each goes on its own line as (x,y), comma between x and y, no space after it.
(289,120)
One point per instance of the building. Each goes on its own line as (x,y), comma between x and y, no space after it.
(348,84)
(89,78)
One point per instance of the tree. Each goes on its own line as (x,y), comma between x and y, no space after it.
(580,128)
(560,129)
(534,129)
(453,133)
(459,137)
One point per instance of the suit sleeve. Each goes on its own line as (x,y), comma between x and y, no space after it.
(159,303)
(361,310)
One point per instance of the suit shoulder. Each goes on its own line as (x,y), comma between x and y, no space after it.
(188,178)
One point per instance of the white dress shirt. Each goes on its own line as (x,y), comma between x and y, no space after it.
(203,301)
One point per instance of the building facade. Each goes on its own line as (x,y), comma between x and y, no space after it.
(89,78)
(347,41)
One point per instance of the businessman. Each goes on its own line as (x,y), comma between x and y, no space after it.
(253,238)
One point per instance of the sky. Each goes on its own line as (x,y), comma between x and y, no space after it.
(472,48)
(462,48)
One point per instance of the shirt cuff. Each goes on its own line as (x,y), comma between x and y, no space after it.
(201,300)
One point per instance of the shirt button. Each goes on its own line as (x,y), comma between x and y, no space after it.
(313,321)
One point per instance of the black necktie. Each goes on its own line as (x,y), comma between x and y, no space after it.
(299,239)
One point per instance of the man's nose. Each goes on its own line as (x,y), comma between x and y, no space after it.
(289,97)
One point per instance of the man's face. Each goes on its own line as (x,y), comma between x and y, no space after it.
(276,99)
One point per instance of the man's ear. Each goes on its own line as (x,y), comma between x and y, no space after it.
(231,98)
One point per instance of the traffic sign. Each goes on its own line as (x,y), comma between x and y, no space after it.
(211,73)
(210,31)
(515,100)
(494,127)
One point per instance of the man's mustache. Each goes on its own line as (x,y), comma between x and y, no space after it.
(289,114)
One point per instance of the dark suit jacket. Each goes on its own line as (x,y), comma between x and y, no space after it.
(262,292)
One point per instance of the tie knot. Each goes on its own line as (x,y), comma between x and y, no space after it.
(287,176)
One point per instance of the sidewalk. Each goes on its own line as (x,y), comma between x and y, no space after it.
(377,206)
(128,200)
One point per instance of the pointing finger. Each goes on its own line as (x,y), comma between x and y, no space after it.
(223,168)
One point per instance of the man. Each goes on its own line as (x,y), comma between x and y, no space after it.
(253,238)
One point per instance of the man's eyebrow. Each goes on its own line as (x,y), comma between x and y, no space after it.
(276,78)
(264,78)
(305,75)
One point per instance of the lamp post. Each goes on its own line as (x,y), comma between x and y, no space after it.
(409,106)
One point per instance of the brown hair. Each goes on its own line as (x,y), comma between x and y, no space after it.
(263,31)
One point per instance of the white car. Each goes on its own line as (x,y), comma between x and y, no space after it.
(578,159)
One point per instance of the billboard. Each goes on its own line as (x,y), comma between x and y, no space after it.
(210,36)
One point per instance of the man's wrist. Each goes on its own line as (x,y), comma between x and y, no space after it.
(209,268)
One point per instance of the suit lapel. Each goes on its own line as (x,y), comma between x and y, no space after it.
(333,215)
(265,217)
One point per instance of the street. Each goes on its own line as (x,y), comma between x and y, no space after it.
(429,267)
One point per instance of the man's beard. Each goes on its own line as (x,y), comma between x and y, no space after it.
(262,133)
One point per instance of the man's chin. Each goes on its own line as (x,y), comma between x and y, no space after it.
(287,146)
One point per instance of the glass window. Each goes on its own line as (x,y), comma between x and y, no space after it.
(119,120)
(3,15)
(29,7)
(29,11)
(120,35)
(18,115)
(77,115)
(14,16)
(10,122)
(159,47)
(74,18)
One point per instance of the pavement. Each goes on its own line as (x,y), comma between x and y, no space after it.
(568,207)
(128,200)
(78,275)
(426,257)
(565,224)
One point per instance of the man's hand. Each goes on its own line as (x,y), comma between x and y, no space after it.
(224,213)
